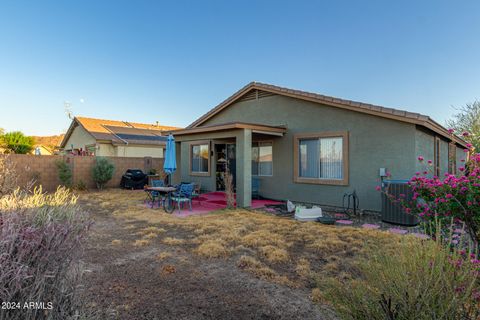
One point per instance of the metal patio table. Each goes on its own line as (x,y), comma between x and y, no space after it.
(166,196)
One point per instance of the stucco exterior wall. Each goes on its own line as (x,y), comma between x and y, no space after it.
(443,157)
(139,151)
(208,183)
(105,150)
(460,155)
(374,143)
(425,146)
(79,139)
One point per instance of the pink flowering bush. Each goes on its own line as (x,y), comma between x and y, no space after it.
(452,197)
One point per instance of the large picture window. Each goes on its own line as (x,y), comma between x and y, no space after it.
(321,158)
(200,159)
(262,159)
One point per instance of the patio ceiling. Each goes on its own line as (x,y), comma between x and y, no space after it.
(256,128)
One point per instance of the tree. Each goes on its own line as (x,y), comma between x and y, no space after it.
(2,131)
(17,142)
(467,121)
(64,173)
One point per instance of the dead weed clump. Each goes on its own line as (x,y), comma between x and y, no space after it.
(303,268)
(150,235)
(274,254)
(173,241)
(213,249)
(150,230)
(261,271)
(163,255)
(141,243)
(168,269)
(116,242)
(261,238)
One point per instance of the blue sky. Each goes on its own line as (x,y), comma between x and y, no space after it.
(172,61)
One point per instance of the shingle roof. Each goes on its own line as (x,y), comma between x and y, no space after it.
(120,132)
(391,113)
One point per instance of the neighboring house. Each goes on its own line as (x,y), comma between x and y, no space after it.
(42,150)
(308,147)
(88,136)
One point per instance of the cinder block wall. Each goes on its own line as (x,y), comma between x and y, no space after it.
(44,170)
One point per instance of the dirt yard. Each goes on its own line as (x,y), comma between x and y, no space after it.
(145,264)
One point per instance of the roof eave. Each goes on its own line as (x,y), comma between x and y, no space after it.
(394,114)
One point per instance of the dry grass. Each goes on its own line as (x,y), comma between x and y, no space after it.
(303,268)
(173,241)
(317,296)
(116,242)
(261,271)
(274,254)
(150,230)
(141,243)
(150,235)
(213,249)
(168,269)
(163,255)
(271,248)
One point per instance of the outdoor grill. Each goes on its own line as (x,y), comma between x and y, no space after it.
(134,179)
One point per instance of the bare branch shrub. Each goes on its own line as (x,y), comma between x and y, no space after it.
(229,190)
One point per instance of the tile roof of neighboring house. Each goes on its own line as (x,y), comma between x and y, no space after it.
(119,132)
(400,115)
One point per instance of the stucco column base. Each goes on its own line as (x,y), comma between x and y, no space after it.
(244,168)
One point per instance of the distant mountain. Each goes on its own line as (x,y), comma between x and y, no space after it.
(49,141)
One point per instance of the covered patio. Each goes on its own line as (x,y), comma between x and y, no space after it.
(212,201)
(202,151)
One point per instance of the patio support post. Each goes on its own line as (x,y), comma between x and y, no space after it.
(244,168)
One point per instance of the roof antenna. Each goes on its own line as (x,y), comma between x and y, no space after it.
(68,109)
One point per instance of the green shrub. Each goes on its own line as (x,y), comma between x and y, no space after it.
(80,186)
(102,172)
(64,173)
(423,279)
(17,142)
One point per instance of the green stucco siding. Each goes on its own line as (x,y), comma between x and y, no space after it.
(461,156)
(443,157)
(374,143)
(424,146)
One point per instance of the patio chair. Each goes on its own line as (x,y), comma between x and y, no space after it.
(184,195)
(196,191)
(255,187)
(155,195)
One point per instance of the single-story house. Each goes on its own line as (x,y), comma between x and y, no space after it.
(309,147)
(42,150)
(89,136)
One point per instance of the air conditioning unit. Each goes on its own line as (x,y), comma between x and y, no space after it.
(393,212)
